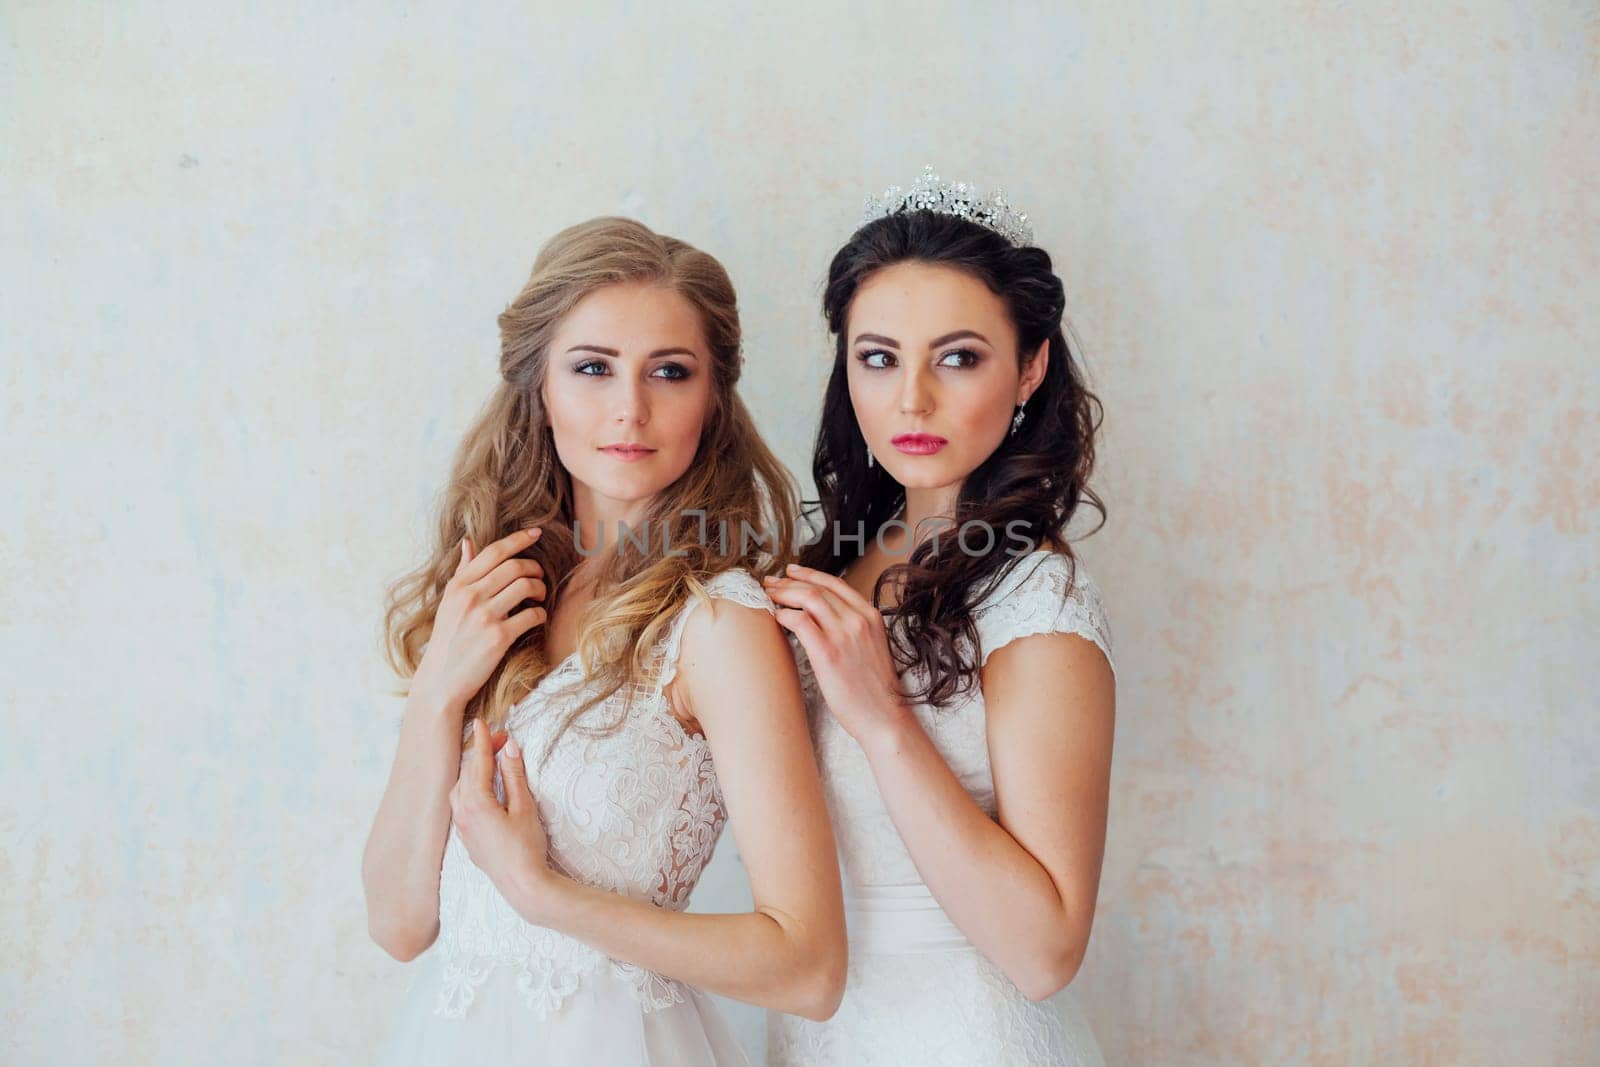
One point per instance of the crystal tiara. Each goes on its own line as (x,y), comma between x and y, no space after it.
(932,193)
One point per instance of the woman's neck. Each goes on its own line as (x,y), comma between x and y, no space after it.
(598,519)
(926,511)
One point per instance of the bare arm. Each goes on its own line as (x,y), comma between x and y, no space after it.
(405,848)
(737,679)
(1021,889)
(473,627)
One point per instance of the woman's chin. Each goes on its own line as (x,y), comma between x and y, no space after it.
(923,475)
(636,484)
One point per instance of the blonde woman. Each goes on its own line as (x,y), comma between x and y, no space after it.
(598,684)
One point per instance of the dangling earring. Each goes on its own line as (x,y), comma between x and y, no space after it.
(1016,421)
(869,457)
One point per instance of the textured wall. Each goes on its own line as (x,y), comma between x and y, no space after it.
(1335,274)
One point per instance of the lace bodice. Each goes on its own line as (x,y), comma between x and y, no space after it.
(1040,594)
(637,812)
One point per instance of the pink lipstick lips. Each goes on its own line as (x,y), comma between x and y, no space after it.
(627,452)
(918,444)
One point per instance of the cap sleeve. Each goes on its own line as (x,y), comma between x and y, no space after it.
(739,586)
(1044,592)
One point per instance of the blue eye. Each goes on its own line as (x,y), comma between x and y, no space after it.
(679,372)
(588,366)
(971,358)
(870,358)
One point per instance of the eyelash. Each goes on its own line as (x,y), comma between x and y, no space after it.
(682,374)
(974,358)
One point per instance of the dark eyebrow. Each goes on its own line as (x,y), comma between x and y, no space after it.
(879,339)
(657,353)
(956,336)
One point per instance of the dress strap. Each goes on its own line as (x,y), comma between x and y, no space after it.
(1044,592)
(737,585)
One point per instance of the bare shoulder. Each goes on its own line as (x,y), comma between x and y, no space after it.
(731,646)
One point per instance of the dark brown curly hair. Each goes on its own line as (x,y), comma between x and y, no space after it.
(1030,487)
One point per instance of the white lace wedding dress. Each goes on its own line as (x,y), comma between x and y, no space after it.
(639,813)
(918,993)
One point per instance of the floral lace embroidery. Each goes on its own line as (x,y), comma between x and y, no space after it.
(638,812)
(1043,593)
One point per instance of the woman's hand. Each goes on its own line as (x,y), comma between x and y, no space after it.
(506,841)
(474,624)
(847,645)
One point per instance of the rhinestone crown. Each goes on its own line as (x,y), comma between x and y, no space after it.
(932,193)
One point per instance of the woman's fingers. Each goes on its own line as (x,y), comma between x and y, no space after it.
(814,599)
(519,795)
(796,621)
(520,622)
(509,571)
(843,590)
(519,589)
(497,553)
(480,764)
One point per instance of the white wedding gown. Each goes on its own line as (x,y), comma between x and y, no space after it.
(638,813)
(918,993)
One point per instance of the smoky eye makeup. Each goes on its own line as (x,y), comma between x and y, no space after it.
(598,368)
(955,358)
(967,358)
(680,373)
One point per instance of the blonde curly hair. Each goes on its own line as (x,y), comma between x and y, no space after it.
(507,476)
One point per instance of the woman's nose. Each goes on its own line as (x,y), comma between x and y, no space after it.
(915,398)
(633,406)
